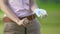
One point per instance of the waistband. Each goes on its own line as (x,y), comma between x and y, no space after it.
(31,17)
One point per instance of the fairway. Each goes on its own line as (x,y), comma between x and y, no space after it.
(49,25)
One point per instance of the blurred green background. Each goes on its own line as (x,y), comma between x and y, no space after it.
(49,25)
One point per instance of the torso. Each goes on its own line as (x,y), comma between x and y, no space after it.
(20,7)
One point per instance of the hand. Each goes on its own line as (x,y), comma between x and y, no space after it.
(20,22)
(40,13)
(43,13)
(25,22)
(44,16)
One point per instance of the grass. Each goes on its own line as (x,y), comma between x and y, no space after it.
(49,25)
(1,29)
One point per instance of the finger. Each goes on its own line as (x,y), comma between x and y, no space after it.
(44,16)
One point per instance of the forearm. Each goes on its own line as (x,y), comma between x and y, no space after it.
(9,12)
(34,5)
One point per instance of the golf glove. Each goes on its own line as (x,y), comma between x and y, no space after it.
(40,12)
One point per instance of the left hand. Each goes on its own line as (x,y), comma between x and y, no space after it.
(43,13)
(40,13)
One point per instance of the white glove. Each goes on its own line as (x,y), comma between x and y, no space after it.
(40,12)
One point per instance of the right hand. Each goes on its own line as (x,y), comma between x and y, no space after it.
(23,22)
(26,22)
(20,22)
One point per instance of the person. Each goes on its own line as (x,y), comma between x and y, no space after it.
(20,17)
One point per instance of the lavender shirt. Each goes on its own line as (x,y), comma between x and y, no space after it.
(20,7)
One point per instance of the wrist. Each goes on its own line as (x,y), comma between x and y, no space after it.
(36,9)
(17,21)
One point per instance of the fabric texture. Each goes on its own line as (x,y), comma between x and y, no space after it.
(32,28)
(21,7)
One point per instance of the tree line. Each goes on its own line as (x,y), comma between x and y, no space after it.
(50,1)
